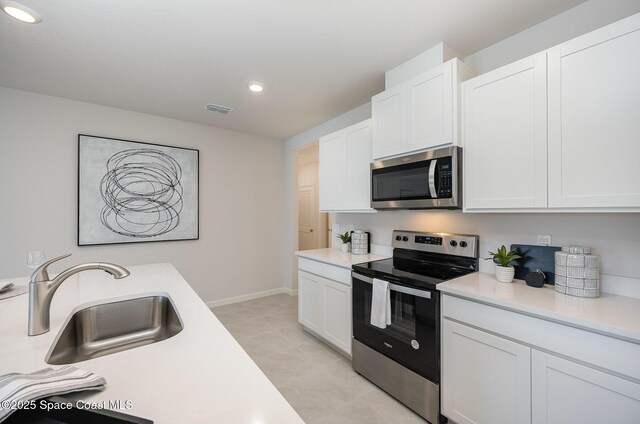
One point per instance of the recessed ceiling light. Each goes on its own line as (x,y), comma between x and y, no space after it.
(255,86)
(20,12)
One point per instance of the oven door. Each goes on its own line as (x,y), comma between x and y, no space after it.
(412,338)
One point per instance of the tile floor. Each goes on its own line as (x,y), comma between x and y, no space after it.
(316,380)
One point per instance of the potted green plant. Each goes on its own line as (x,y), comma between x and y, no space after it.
(346,239)
(503,259)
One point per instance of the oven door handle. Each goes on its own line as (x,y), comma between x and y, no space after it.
(394,287)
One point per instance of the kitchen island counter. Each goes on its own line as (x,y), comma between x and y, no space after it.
(200,375)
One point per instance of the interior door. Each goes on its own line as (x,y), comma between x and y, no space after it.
(307,218)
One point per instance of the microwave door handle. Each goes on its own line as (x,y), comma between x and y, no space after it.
(394,287)
(432,179)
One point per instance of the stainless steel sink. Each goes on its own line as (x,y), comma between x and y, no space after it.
(114,327)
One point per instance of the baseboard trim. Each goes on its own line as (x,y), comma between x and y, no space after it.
(250,296)
(290,292)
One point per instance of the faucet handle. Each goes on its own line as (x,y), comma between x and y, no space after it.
(41,274)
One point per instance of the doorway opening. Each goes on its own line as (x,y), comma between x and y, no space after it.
(313,225)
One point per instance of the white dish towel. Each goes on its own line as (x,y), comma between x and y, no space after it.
(16,388)
(380,304)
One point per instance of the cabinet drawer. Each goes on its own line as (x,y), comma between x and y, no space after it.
(603,351)
(332,272)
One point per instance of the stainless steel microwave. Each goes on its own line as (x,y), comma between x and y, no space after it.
(426,180)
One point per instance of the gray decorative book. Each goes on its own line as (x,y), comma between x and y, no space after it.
(534,258)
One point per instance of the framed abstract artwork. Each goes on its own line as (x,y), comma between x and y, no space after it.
(132,192)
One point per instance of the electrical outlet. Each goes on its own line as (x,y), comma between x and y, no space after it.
(544,239)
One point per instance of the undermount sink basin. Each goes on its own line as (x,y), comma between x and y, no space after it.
(116,326)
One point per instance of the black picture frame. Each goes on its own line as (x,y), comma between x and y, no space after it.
(139,182)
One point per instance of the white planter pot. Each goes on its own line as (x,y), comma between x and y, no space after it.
(504,274)
(344,247)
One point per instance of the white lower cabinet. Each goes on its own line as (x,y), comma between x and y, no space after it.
(565,392)
(503,367)
(336,314)
(309,292)
(486,378)
(324,307)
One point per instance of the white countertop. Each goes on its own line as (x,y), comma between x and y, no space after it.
(615,316)
(199,375)
(336,257)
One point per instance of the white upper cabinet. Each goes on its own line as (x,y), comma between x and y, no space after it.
(594,119)
(388,117)
(505,127)
(420,113)
(345,158)
(357,184)
(332,171)
(430,108)
(558,131)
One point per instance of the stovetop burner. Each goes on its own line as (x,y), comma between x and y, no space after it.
(425,259)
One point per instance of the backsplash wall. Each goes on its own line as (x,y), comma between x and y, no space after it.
(615,237)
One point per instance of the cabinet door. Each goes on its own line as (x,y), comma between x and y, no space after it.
(388,120)
(336,299)
(430,108)
(357,183)
(565,392)
(594,118)
(485,379)
(332,171)
(505,137)
(310,301)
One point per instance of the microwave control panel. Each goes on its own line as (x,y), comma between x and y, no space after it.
(445,178)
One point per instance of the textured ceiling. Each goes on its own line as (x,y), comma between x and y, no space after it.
(317,59)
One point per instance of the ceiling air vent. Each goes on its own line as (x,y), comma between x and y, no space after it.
(218,108)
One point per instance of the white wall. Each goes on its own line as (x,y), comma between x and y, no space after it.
(576,21)
(241,194)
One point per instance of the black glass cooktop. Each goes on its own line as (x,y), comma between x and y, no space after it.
(418,269)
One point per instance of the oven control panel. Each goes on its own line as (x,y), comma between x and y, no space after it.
(428,240)
(449,244)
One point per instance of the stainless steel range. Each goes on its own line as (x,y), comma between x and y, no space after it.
(401,353)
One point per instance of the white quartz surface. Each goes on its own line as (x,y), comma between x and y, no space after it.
(336,257)
(613,315)
(201,375)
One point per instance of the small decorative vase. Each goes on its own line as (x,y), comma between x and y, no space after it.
(344,247)
(505,274)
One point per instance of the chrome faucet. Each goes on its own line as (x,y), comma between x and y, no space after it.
(42,289)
